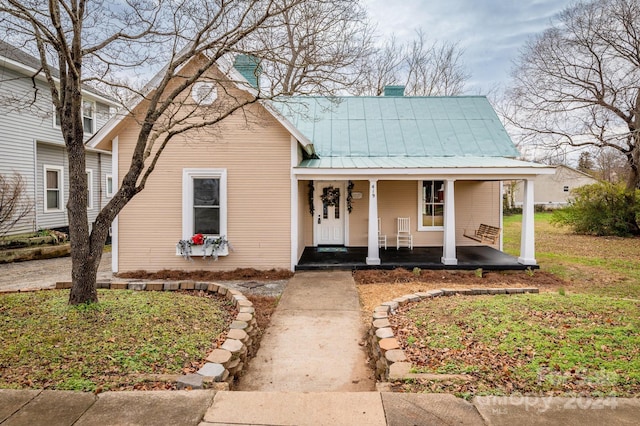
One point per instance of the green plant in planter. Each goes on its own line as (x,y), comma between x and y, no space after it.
(211,245)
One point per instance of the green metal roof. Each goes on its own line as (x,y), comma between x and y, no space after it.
(399,126)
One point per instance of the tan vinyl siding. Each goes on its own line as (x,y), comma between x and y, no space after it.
(303,214)
(476,202)
(549,189)
(359,217)
(400,199)
(257,160)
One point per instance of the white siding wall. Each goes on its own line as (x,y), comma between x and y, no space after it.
(26,117)
(53,155)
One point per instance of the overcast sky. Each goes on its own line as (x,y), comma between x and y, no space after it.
(489,31)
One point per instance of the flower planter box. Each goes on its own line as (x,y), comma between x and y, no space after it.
(198,251)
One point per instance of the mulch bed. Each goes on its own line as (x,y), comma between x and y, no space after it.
(202,275)
(400,275)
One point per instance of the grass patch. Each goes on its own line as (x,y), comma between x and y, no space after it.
(544,344)
(607,266)
(47,344)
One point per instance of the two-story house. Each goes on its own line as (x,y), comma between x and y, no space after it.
(32,146)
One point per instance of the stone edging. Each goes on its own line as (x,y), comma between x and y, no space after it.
(223,364)
(391,363)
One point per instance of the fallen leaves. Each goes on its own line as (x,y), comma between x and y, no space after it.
(553,352)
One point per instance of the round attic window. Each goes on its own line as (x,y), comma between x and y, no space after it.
(204,92)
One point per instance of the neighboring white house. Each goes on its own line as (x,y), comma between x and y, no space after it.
(31,142)
(554,191)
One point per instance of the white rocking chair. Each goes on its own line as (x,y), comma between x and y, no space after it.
(404,237)
(382,238)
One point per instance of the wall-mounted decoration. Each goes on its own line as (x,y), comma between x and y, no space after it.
(350,186)
(311,207)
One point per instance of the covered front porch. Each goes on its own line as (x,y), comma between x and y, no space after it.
(351,258)
(442,211)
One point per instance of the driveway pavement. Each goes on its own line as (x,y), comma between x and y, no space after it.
(44,273)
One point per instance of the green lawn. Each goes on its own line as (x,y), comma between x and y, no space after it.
(45,343)
(580,340)
(529,344)
(607,266)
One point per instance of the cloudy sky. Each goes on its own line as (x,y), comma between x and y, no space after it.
(489,31)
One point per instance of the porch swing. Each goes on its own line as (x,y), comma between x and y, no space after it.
(484,234)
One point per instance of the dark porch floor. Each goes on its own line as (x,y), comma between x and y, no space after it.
(469,258)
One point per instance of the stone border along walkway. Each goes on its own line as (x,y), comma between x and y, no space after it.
(223,364)
(391,363)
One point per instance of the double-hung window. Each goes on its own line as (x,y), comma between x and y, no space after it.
(431,202)
(53,188)
(204,202)
(88,116)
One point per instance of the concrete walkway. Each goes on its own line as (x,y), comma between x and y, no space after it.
(208,408)
(313,341)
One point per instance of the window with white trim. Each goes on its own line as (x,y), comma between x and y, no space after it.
(431,202)
(53,188)
(88,116)
(89,189)
(204,202)
(109,185)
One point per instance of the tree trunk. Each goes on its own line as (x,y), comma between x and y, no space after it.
(83,273)
(84,261)
(633,159)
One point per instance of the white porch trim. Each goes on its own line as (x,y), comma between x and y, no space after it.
(114,224)
(373,254)
(527,241)
(294,205)
(449,238)
(460,173)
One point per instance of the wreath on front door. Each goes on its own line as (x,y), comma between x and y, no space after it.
(330,198)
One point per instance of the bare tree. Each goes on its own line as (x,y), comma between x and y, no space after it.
(315,47)
(14,203)
(578,83)
(425,67)
(103,44)
(611,165)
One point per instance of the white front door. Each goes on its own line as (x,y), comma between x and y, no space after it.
(329,220)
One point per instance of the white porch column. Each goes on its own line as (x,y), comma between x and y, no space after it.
(373,257)
(527,241)
(449,243)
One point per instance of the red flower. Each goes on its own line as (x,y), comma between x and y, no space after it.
(198,239)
